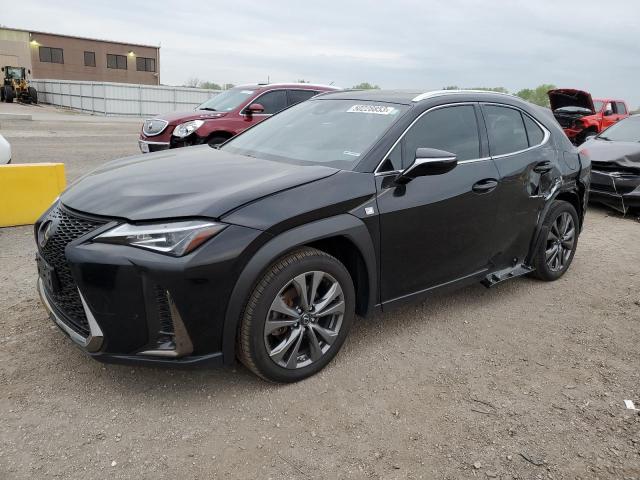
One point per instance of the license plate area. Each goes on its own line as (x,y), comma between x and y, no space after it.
(47,274)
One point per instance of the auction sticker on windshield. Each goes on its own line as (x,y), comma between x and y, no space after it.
(377,109)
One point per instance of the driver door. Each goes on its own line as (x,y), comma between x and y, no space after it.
(437,229)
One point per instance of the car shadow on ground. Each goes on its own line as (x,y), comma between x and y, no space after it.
(364,336)
(631,215)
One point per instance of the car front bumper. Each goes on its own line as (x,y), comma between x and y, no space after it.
(147,308)
(618,190)
(147,146)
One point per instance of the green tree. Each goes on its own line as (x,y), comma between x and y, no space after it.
(210,86)
(365,86)
(537,95)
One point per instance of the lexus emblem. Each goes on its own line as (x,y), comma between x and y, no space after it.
(44,233)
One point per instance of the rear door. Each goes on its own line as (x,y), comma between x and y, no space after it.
(528,167)
(437,229)
(621,111)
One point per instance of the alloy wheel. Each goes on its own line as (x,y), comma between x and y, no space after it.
(560,242)
(304,320)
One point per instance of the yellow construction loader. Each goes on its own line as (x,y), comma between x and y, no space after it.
(15,85)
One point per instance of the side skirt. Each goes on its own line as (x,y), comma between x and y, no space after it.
(506,274)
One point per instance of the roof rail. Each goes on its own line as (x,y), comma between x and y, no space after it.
(437,93)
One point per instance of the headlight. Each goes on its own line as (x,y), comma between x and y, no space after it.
(176,238)
(187,128)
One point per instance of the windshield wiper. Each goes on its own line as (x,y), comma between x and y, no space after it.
(209,108)
(600,137)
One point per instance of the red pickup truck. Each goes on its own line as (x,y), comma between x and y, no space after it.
(581,116)
(223,116)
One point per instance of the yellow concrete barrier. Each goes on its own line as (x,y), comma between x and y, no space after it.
(27,190)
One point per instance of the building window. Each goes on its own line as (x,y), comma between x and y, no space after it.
(89,59)
(117,61)
(145,64)
(51,55)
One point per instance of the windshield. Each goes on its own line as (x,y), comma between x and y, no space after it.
(598,104)
(228,100)
(627,130)
(334,133)
(14,72)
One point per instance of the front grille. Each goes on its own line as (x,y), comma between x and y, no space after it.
(67,227)
(154,126)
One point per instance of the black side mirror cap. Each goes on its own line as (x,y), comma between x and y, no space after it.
(428,161)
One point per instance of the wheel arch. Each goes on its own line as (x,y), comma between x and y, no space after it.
(344,236)
(219,133)
(572,196)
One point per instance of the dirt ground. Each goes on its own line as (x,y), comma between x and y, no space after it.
(523,381)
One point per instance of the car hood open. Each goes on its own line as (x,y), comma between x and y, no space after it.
(188,182)
(567,97)
(623,156)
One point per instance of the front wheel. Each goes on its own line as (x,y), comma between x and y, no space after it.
(297,317)
(560,240)
(215,140)
(8,94)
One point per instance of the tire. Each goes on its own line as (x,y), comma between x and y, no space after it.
(215,140)
(33,95)
(279,347)
(8,94)
(554,255)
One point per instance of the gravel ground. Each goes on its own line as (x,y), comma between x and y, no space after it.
(526,380)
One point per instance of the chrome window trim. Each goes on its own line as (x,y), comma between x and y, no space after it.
(545,139)
(437,107)
(144,124)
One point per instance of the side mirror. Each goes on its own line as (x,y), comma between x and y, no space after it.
(254,108)
(608,113)
(429,161)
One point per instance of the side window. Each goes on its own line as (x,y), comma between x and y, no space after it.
(506,130)
(608,109)
(453,129)
(534,132)
(622,109)
(273,102)
(297,96)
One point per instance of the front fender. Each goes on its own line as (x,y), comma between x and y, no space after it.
(344,225)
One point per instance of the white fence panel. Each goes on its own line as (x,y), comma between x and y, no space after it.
(119,99)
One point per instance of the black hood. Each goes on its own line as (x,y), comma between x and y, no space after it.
(622,155)
(568,97)
(185,182)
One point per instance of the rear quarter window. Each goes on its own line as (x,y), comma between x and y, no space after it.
(534,132)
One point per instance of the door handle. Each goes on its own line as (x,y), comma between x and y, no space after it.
(485,186)
(543,167)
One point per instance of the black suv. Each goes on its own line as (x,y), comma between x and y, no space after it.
(264,248)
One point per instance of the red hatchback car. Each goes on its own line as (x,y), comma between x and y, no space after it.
(223,116)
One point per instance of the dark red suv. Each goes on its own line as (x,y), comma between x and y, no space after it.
(224,115)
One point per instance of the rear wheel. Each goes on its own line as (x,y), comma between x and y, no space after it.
(297,317)
(33,95)
(560,233)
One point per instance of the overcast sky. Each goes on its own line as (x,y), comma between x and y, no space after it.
(593,45)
